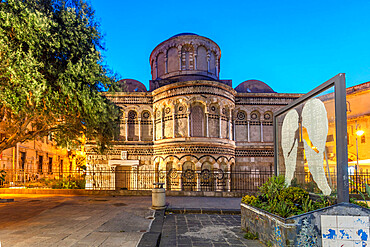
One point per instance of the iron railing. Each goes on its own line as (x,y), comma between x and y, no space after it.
(189,180)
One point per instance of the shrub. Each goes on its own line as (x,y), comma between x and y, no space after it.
(276,198)
(251,235)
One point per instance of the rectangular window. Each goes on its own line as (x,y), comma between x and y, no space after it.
(363,139)
(23,160)
(61,166)
(50,165)
(330,138)
(41,160)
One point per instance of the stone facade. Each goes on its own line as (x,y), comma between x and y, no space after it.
(190,119)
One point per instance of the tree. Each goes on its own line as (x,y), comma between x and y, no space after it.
(52,74)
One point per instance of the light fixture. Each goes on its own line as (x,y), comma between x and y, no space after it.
(360,132)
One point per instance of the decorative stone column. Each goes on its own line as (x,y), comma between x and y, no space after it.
(234,130)
(208,61)
(153,120)
(195,59)
(207,135)
(189,125)
(217,66)
(165,63)
(156,69)
(261,131)
(139,129)
(249,133)
(173,125)
(161,127)
(179,55)
(126,129)
(220,123)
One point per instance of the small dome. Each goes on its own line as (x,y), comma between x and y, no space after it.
(131,85)
(253,86)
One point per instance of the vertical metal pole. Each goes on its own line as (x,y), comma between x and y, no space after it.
(356,173)
(341,141)
(276,145)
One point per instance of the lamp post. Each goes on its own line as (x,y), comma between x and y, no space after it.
(359,132)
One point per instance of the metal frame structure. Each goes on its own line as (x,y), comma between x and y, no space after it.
(339,84)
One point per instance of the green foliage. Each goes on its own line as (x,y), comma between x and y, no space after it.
(69,183)
(52,74)
(2,175)
(251,235)
(359,203)
(272,188)
(248,199)
(77,182)
(293,194)
(276,198)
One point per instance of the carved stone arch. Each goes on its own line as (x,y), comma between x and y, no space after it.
(214,108)
(267,116)
(187,160)
(241,115)
(202,63)
(132,125)
(198,100)
(181,108)
(160,59)
(187,59)
(175,161)
(172,59)
(255,115)
(197,118)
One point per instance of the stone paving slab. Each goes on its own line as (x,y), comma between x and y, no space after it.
(188,202)
(204,230)
(45,220)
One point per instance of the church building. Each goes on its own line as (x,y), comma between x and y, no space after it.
(190,121)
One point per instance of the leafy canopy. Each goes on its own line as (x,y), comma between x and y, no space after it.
(52,73)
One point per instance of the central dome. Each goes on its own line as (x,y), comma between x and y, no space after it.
(184,56)
(182,34)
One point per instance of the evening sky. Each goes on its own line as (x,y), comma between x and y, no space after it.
(292,45)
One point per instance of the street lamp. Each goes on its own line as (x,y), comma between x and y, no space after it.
(359,132)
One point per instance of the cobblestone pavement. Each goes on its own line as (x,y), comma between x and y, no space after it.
(180,230)
(45,220)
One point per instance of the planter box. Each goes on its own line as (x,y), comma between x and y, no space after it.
(304,229)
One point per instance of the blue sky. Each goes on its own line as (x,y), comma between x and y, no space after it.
(293,46)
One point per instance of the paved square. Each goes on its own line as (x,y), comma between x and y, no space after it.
(203,230)
(44,220)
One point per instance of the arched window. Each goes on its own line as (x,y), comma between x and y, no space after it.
(189,179)
(173,60)
(187,57)
(160,64)
(197,121)
(207,182)
(145,126)
(202,63)
(132,126)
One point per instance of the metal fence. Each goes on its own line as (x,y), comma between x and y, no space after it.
(189,180)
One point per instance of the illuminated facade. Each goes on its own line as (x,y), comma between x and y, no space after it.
(32,160)
(190,119)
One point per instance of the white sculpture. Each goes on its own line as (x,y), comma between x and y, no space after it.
(315,130)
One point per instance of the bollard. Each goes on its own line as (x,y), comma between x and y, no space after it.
(158,196)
